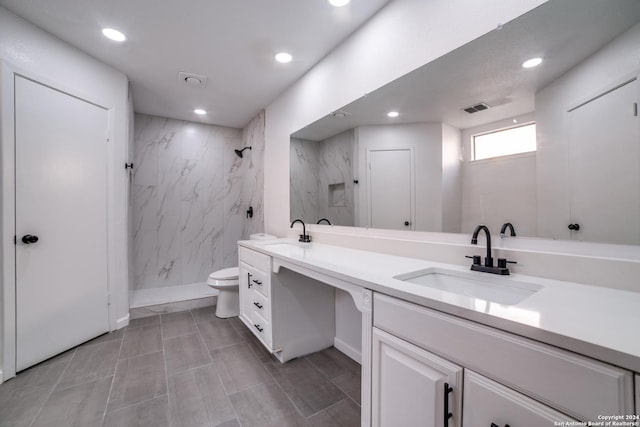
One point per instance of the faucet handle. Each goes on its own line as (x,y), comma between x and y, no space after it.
(477,259)
(502,262)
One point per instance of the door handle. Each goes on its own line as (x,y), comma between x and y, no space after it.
(28,239)
(574,227)
(407,223)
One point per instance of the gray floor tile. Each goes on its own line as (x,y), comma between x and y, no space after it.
(333,363)
(138,379)
(152,413)
(307,388)
(266,405)
(239,368)
(81,405)
(218,333)
(185,352)
(204,314)
(343,414)
(350,384)
(62,357)
(141,340)
(257,347)
(176,324)
(198,399)
(90,363)
(22,396)
(144,321)
(237,324)
(109,336)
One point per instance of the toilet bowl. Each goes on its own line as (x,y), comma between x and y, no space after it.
(226,282)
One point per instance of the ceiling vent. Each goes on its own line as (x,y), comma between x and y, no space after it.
(191,79)
(476,108)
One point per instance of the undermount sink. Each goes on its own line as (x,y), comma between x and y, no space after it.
(279,244)
(495,289)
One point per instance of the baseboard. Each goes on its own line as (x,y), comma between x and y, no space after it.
(122,322)
(353,353)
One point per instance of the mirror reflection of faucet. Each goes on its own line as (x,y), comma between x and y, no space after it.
(488,266)
(325,220)
(503,230)
(304,237)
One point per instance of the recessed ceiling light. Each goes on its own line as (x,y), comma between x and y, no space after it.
(533,62)
(200,111)
(393,114)
(339,3)
(114,35)
(283,57)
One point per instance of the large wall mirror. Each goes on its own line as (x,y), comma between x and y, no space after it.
(567,135)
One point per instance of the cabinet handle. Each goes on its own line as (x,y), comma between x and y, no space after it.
(257,304)
(258,327)
(447,414)
(249,280)
(496,425)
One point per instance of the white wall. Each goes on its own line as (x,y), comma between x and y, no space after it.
(451,179)
(501,189)
(610,65)
(426,141)
(27,48)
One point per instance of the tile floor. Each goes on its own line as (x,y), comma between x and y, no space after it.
(183,369)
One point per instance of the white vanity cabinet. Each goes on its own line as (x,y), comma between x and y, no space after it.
(508,379)
(291,314)
(411,386)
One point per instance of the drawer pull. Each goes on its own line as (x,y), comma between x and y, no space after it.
(257,304)
(447,414)
(258,327)
(496,425)
(249,280)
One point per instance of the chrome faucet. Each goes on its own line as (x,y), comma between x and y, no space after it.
(304,237)
(488,261)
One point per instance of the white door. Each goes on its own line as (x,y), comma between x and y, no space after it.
(408,385)
(391,189)
(605,168)
(61,187)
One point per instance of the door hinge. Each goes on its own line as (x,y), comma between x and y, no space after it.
(15,240)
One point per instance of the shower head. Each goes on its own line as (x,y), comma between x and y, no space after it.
(239,152)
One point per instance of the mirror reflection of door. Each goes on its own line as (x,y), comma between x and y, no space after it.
(391,194)
(604,165)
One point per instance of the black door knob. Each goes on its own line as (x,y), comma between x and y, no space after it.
(574,227)
(27,239)
(407,223)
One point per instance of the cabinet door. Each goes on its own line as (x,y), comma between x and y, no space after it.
(408,385)
(487,403)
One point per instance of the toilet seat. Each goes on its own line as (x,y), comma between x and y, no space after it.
(225,277)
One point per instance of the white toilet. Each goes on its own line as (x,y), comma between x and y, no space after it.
(226,282)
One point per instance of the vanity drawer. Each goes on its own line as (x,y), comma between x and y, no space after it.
(260,282)
(260,304)
(260,328)
(573,384)
(488,403)
(254,259)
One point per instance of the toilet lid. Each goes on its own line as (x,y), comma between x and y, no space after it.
(226,274)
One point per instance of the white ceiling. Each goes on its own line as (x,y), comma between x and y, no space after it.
(232,42)
(563,32)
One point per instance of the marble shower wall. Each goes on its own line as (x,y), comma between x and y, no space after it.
(188,208)
(305,164)
(322,179)
(253,179)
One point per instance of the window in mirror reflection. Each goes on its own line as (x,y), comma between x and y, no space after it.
(520,139)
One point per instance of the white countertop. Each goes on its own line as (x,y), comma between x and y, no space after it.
(598,322)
